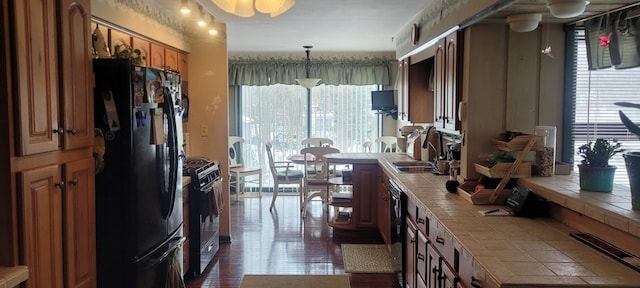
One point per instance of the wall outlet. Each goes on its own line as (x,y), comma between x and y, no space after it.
(204,130)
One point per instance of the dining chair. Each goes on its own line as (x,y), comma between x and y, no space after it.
(387,144)
(317,142)
(317,174)
(283,175)
(238,172)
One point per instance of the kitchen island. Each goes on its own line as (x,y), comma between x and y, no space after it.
(497,251)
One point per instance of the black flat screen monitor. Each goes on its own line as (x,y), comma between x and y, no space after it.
(382,100)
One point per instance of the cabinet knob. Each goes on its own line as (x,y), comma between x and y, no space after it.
(413,240)
(420,220)
(72,131)
(58,131)
(439,240)
(420,257)
(74,182)
(60,184)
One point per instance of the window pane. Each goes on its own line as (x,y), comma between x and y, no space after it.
(278,114)
(595,114)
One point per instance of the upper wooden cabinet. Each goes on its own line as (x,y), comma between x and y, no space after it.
(144,46)
(77,72)
(171,59)
(447,82)
(36,77)
(157,56)
(415,96)
(183,66)
(118,38)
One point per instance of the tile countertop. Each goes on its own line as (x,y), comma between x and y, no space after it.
(13,276)
(515,251)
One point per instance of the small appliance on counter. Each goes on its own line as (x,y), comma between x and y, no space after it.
(411,133)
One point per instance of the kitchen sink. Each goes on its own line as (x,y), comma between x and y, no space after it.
(413,166)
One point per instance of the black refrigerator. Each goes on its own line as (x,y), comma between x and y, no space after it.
(138,185)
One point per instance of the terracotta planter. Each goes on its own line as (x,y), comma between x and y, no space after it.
(632,161)
(596,179)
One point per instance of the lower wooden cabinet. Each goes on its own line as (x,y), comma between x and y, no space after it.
(58,220)
(410,249)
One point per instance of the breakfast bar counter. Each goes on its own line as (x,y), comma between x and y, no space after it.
(507,251)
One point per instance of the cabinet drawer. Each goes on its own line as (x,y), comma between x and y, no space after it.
(442,240)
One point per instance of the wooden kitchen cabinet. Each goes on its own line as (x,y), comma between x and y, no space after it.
(52,168)
(447,82)
(171,59)
(144,46)
(156,58)
(384,208)
(415,98)
(362,210)
(410,253)
(183,67)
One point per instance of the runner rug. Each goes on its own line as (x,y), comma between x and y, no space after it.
(290,281)
(368,258)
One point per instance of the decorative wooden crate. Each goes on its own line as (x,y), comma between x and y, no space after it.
(518,143)
(465,190)
(499,170)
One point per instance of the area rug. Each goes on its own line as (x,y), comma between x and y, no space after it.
(280,281)
(368,258)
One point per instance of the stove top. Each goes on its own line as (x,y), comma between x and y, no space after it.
(203,171)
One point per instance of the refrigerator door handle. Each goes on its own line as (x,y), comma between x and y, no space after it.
(173,152)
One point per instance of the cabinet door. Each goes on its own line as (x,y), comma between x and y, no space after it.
(410,242)
(118,38)
(79,224)
(439,83)
(448,278)
(365,197)
(451,83)
(144,47)
(36,73)
(403,91)
(384,209)
(76,78)
(157,56)
(41,219)
(421,256)
(433,267)
(183,67)
(171,58)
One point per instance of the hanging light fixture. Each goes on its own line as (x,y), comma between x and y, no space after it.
(566,8)
(184,7)
(212,29)
(245,8)
(308,82)
(201,21)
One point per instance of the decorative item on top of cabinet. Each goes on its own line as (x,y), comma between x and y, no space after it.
(447,67)
(157,56)
(118,38)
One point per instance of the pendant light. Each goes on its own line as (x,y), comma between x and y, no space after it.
(308,82)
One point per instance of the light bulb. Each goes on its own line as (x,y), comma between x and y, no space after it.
(184,7)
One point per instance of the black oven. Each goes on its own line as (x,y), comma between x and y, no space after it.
(205,204)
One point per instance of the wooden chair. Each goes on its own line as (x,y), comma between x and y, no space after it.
(387,144)
(317,174)
(316,142)
(238,173)
(282,175)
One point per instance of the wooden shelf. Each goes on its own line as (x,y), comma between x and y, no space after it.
(517,143)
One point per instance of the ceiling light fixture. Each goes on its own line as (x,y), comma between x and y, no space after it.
(212,29)
(184,7)
(201,21)
(244,8)
(524,22)
(566,8)
(308,82)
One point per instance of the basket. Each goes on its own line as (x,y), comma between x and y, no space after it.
(499,170)
(465,190)
(517,143)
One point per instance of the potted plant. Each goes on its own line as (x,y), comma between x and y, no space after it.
(595,172)
(126,51)
(632,158)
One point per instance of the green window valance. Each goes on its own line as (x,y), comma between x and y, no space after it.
(332,71)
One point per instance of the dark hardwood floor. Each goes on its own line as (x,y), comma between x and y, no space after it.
(282,242)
